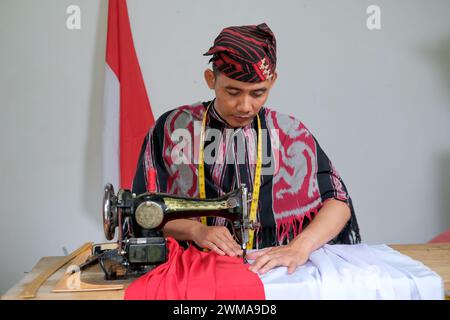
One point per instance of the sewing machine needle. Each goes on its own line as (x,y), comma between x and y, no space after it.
(244,256)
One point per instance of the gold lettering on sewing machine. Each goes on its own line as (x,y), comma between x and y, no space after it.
(188,205)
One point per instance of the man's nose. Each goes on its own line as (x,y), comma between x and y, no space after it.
(244,105)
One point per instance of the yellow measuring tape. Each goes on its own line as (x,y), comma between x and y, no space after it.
(257,178)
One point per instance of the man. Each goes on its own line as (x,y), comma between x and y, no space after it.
(298,197)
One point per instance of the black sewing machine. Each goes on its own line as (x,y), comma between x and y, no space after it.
(139,220)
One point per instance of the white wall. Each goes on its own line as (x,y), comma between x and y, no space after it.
(378,102)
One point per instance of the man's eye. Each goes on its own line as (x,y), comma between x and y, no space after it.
(257,94)
(233,93)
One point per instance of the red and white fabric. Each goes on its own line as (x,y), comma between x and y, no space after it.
(333,272)
(127,112)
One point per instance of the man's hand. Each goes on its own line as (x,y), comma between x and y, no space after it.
(332,217)
(217,239)
(269,258)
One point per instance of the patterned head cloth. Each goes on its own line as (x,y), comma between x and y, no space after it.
(245,53)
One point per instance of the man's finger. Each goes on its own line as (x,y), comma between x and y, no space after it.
(237,248)
(292,267)
(224,246)
(259,263)
(232,242)
(274,262)
(228,235)
(256,254)
(211,246)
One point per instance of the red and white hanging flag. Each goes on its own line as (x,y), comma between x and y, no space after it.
(127,111)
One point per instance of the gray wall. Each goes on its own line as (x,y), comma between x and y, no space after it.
(378,102)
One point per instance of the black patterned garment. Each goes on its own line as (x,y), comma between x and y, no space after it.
(297,176)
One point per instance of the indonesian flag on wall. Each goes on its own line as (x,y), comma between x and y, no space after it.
(127,111)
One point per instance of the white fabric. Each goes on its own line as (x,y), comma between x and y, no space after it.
(110,133)
(355,272)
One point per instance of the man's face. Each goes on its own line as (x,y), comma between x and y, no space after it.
(238,102)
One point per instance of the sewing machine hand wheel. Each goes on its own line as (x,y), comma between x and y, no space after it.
(109,212)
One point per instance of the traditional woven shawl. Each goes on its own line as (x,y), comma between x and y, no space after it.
(297,175)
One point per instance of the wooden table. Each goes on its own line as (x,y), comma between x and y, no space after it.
(436,256)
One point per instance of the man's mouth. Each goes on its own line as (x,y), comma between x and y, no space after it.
(242,118)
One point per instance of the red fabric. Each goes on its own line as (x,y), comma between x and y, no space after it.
(443,237)
(195,275)
(151,185)
(135,111)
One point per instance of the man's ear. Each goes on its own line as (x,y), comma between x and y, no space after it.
(274,78)
(210,78)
